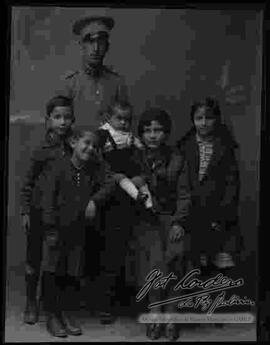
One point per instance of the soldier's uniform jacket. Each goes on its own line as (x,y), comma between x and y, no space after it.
(92,92)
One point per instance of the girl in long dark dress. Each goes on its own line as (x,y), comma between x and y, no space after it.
(209,151)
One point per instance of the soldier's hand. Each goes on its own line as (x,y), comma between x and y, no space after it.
(176,233)
(90,211)
(26,223)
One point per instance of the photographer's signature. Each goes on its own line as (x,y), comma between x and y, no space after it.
(202,298)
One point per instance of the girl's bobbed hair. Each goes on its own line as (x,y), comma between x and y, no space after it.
(209,103)
(155,114)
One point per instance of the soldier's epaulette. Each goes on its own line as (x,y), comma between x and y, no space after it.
(109,69)
(70,74)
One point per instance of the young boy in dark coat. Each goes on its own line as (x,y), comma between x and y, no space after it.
(213,176)
(59,119)
(76,187)
(159,236)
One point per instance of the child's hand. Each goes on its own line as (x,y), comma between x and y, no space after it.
(90,211)
(176,232)
(216,226)
(52,239)
(26,223)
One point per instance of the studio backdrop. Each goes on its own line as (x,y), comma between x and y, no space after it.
(169,58)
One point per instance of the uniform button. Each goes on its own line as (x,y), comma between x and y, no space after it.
(97,92)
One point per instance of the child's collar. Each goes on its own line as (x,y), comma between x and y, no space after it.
(208,140)
(162,149)
(52,138)
(74,165)
(112,130)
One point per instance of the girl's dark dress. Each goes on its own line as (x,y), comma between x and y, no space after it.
(215,197)
(151,246)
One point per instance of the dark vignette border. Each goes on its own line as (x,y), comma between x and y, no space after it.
(263,287)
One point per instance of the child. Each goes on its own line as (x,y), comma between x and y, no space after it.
(66,206)
(119,144)
(119,147)
(154,237)
(214,184)
(59,119)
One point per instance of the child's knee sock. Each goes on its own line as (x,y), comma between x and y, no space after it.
(129,187)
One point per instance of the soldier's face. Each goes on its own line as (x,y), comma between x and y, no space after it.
(60,120)
(153,135)
(121,119)
(94,50)
(85,147)
(204,121)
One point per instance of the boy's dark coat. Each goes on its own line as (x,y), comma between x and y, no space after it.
(64,204)
(50,149)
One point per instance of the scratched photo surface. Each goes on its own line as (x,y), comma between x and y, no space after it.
(133,187)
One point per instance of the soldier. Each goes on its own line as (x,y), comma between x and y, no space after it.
(95,86)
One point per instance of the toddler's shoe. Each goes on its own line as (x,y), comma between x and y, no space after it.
(141,198)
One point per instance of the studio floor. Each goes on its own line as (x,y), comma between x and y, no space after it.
(125,328)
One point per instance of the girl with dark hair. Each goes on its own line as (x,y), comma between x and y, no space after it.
(159,238)
(209,151)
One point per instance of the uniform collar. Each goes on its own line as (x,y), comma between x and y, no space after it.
(94,72)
